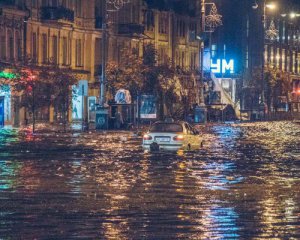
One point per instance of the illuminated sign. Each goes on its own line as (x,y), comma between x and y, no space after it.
(222,66)
(7,75)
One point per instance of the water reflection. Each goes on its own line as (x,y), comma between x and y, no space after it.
(242,184)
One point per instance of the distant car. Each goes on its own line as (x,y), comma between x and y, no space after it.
(172,136)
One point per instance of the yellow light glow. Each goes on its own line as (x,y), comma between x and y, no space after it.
(292,15)
(271,6)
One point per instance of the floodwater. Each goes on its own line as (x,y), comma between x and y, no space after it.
(243,184)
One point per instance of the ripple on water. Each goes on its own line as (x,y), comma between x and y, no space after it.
(242,184)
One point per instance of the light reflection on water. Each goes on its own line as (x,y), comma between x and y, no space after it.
(242,184)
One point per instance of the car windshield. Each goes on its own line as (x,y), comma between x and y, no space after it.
(166,127)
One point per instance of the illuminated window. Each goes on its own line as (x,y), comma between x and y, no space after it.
(277,58)
(271,55)
(293,58)
(213,50)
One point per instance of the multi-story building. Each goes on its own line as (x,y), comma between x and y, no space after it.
(12,42)
(69,34)
(280,39)
(242,38)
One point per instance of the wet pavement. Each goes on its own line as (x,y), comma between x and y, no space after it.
(243,184)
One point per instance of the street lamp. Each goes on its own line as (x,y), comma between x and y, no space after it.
(266,6)
(212,21)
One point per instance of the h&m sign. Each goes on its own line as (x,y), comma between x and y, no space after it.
(222,66)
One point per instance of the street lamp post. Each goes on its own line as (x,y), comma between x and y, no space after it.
(102,111)
(212,20)
(103,55)
(264,26)
(201,97)
(109,6)
(263,58)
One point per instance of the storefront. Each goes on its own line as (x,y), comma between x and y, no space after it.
(5,105)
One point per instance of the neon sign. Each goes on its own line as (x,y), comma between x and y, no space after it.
(222,66)
(7,75)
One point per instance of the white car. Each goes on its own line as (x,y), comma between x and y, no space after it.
(172,136)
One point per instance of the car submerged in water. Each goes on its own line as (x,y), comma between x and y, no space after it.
(172,136)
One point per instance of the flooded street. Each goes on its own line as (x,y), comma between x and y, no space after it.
(243,184)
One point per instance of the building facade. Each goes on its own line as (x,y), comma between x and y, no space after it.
(12,43)
(69,33)
(243,38)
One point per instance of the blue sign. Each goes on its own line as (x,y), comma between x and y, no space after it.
(222,66)
(1,111)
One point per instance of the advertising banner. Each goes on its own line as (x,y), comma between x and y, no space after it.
(148,108)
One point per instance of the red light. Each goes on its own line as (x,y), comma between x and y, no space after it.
(178,138)
(147,137)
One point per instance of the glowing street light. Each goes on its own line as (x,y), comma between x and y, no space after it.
(271,34)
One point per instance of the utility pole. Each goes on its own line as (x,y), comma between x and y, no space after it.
(201,97)
(263,58)
(103,56)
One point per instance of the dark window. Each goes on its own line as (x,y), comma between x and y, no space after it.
(3,47)
(166,127)
(19,48)
(33,51)
(44,3)
(11,48)
(44,48)
(78,53)
(54,49)
(78,8)
(65,51)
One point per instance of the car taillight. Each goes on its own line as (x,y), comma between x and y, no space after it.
(178,138)
(147,137)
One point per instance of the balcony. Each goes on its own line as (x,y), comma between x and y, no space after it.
(57,13)
(130,28)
